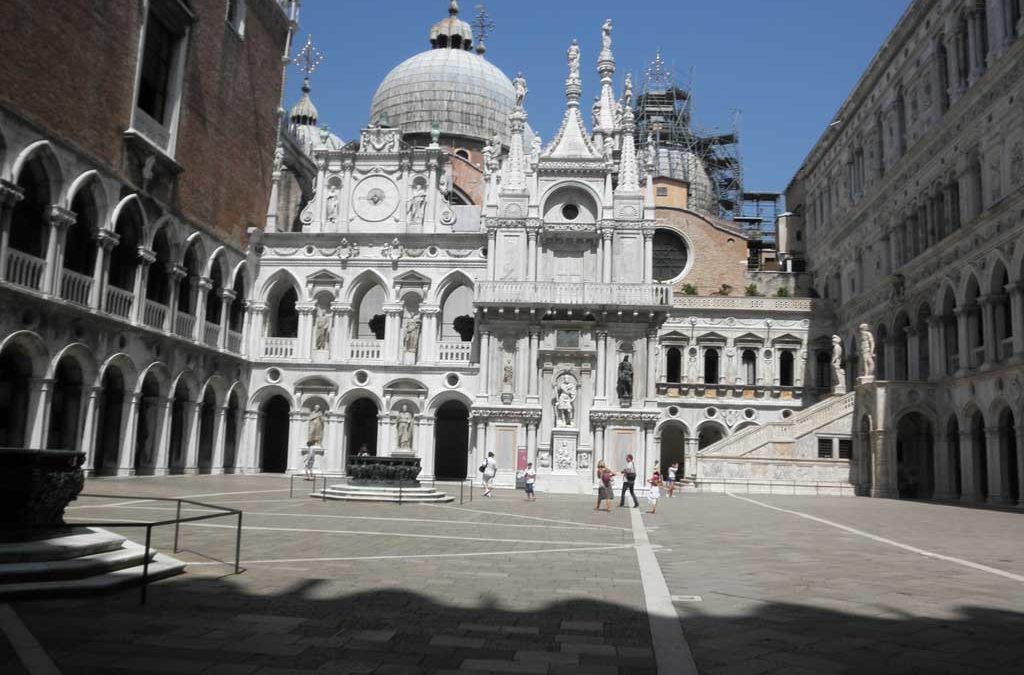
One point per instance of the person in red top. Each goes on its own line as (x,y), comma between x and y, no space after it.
(604,489)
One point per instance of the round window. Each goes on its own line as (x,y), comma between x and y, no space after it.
(570,212)
(463,154)
(673,411)
(711,412)
(786,414)
(360,377)
(273,375)
(671,255)
(452,379)
(749,413)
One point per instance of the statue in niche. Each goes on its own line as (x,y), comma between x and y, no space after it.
(332,204)
(838,372)
(404,428)
(565,401)
(573,56)
(506,378)
(606,35)
(867,351)
(625,379)
(417,204)
(519,84)
(411,334)
(323,329)
(315,427)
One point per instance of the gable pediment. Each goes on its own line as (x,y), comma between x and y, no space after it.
(412,279)
(324,278)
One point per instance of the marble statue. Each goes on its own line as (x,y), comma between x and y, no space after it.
(411,334)
(404,428)
(564,456)
(606,35)
(519,84)
(867,351)
(573,56)
(315,427)
(625,380)
(535,148)
(332,204)
(627,92)
(417,204)
(323,329)
(506,378)
(565,401)
(838,372)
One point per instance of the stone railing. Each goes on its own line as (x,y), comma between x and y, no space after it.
(786,431)
(234,342)
(154,314)
(723,302)
(75,287)
(120,301)
(24,269)
(366,350)
(454,352)
(279,348)
(559,293)
(184,325)
(211,333)
(1006,348)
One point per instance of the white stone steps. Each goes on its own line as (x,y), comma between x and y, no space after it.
(161,567)
(129,555)
(367,493)
(76,543)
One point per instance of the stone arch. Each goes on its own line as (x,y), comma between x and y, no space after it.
(88,201)
(279,277)
(448,283)
(454,295)
(33,345)
(451,435)
(367,295)
(915,458)
(240,283)
(218,385)
(90,181)
(365,280)
(264,393)
(160,371)
(44,153)
(23,358)
(1008,486)
(589,205)
(124,363)
(446,396)
(710,432)
(187,378)
(115,379)
(81,353)
(352,395)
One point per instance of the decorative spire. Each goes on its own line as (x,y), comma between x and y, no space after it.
(629,178)
(607,124)
(572,139)
(483,26)
(514,180)
(453,8)
(307,61)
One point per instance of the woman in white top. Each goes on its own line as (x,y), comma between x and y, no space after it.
(490,471)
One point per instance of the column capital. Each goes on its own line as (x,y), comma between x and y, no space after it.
(228,295)
(147,256)
(430,310)
(204,283)
(10,193)
(176,271)
(341,308)
(106,238)
(256,307)
(60,217)
(305,307)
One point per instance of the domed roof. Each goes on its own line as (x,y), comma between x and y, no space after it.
(683,165)
(452,32)
(459,90)
(304,112)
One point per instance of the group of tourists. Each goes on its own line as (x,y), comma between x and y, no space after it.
(605,491)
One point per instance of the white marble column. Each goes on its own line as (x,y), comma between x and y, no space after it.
(648,255)
(970,486)
(424,442)
(429,333)
(335,462)
(247,455)
(988,318)
(483,390)
(60,219)
(996,474)
(38,423)
(883,462)
(341,331)
(193,429)
(606,269)
(200,290)
(531,254)
(92,396)
(129,434)
(492,245)
(307,314)
(651,363)
(257,313)
(219,435)
(105,242)
(599,447)
(964,338)
(602,368)
(10,194)
(227,298)
(479,448)
(393,333)
(531,443)
(175,274)
(532,367)
(296,439)
(146,258)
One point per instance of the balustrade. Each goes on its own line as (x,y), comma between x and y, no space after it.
(211,334)
(24,269)
(454,352)
(119,302)
(366,350)
(184,325)
(279,348)
(977,356)
(75,287)
(234,342)
(154,314)
(569,293)
(1006,348)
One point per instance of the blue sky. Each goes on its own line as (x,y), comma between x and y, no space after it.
(785,65)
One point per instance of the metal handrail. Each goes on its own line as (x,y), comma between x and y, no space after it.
(176,521)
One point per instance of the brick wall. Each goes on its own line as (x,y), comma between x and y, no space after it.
(719,254)
(74,77)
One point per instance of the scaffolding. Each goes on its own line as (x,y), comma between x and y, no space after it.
(708,160)
(758,214)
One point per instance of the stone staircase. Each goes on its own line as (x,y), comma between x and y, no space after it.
(80,561)
(372,493)
(784,452)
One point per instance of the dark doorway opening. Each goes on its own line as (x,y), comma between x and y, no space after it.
(451,441)
(361,419)
(274,455)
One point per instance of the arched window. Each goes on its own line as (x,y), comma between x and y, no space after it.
(158,287)
(188,287)
(285,317)
(673,365)
(125,256)
(942,64)
(786,370)
(710,365)
(79,246)
(29,229)
(237,317)
(823,370)
(749,361)
(213,299)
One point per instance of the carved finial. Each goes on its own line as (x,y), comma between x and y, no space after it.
(453,8)
(484,26)
(309,58)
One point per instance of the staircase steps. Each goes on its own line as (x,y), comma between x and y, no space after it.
(367,493)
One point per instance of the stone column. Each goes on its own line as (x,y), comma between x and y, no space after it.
(997,479)
(988,317)
(247,455)
(423,440)
(296,438)
(393,333)
(227,298)
(60,220)
(105,242)
(884,462)
(341,330)
(130,417)
(202,287)
(92,396)
(219,436)
(651,359)
(1016,292)
(38,423)
(648,255)
(599,449)
(602,368)
(691,456)
(964,339)
(531,443)
(479,448)
(175,273)
(532,367)
(936,348)
(483,390)
(10,194)
(942,476)
(335,462)
(607,237)
(492,244)
(648,459)
(307,314)
(970,490)
(913,353)
(162,442)
(531,254)
(194,428)
(146,258)
(256,311)
(429,333)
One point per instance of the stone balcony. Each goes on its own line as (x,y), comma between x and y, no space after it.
(582,294)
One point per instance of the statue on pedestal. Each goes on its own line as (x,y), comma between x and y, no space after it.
(404,428)
(565,401)
(867,352)
(838,372)
(625,379)
(332,204)
(519,84)
(315,427)
(417,204)
(411,334)
(323,329)
(506,378)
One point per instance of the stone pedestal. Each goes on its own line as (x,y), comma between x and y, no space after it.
(564,443)
(384,471)
(865,379)
(35,487)
(625,402)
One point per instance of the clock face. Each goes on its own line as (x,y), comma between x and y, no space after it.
(375,198)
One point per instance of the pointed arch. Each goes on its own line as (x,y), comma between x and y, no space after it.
(280,275)
(366,280)
(449,283)
(188,379)
(44,153)
(131,201)
(169,225)
(196,244)
(160,372)
(91,182)
(217,258)
(218,386)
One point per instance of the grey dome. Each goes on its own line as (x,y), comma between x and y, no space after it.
(683,165)
(461,91)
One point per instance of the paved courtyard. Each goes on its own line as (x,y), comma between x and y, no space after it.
(761,584)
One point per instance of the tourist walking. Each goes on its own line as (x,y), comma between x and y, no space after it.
(673,470)
(490,469)
(628,482)
(530,477)
(605,492)
(654,492)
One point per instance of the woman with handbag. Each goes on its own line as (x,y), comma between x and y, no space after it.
(628,481)
(489,469)
(605,493)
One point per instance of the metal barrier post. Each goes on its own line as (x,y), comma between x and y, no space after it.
(177,526)
(462,485)
(291,486)
(238,542)
(145,564)
(399,493)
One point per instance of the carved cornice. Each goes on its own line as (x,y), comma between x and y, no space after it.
(485,413)
(634,416)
